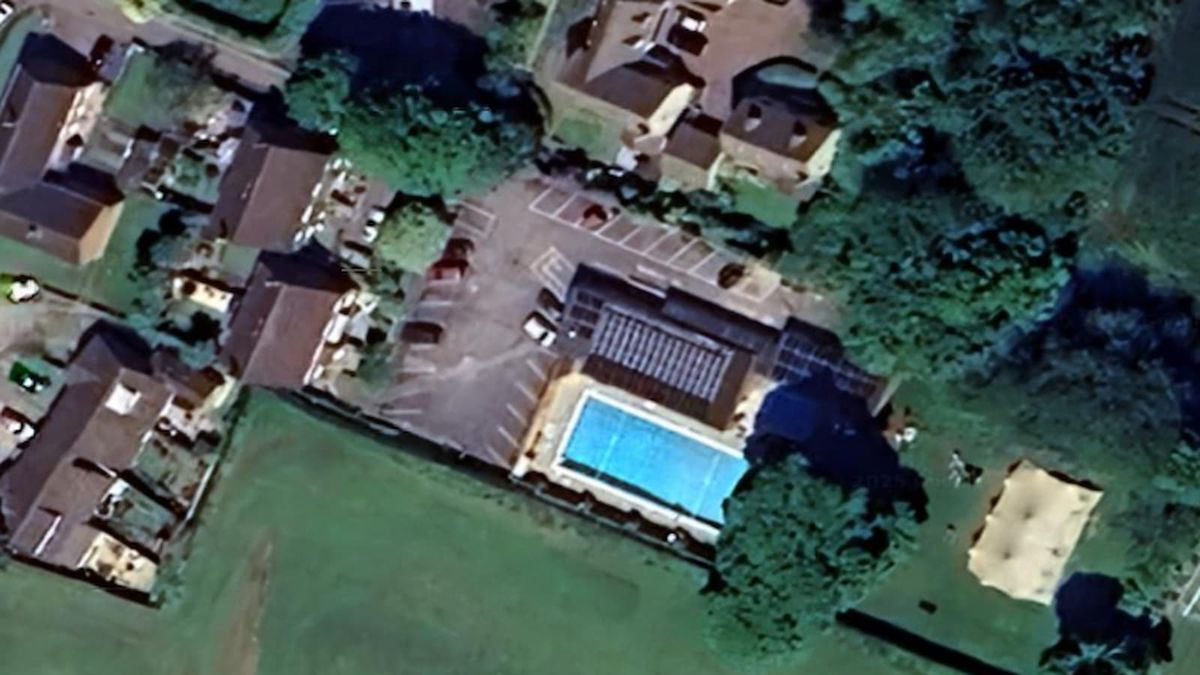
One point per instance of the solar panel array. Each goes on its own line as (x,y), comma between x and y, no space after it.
(686,365)
(799,358)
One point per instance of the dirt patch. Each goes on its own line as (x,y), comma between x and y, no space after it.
(238,649)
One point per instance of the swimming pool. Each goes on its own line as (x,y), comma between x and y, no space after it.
(631,451)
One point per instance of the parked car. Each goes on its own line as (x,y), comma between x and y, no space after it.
(549,303)
(421,332)
(539,329)
(448,270)
(6,10)
(19,289)
(25,378)
(458,248)
(16,425)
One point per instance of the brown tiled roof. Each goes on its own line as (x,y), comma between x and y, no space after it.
(774,128)
(267,188)
(738,35)
(58,213)
(695,140)
(639,87)
(35,104)
(72,492)
(81,434)
(279,322)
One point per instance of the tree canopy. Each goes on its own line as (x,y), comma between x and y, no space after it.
(422,149)
(404,137)
(317,92)
(794,551)
(411,238)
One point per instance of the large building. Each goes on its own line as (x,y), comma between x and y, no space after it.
(47,202)
(668,80)
(266,194)
(117,464)
(662,393)
(295,309)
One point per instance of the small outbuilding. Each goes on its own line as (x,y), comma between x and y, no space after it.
(1030,532)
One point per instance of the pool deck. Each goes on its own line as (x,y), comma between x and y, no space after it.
(545,443)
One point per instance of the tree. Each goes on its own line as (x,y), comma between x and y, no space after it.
(411,238)
(141,11)
(424,150)
(515,28)
(932,284)
(317,91)
(1163,548)
(1090,658)
(181,79)
(794,551)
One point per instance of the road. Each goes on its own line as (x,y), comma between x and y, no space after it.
(81,22)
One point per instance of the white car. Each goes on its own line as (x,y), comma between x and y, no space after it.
(6,10)
(539,329)
(23,289)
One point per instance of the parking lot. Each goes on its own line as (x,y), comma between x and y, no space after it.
(477,387)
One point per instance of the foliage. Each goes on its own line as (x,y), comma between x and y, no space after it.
(424,150)
(270,24)
(1090,658)
(165,89)
(317,91)
(1163,553)
(1180,480)
(411,238)
(921,295)
(515,28)
(141,11)
(1046,388)
(795,550)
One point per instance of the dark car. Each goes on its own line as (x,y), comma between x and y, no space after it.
(458,248)
(422,332)
(448,270)
(549,303)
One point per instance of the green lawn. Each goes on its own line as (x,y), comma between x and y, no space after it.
(353,558)
(133,99)
(105,280)
(579,128)
(762,201)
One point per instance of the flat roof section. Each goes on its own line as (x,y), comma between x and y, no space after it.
(632,451)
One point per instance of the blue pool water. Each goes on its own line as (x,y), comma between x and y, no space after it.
(633,452)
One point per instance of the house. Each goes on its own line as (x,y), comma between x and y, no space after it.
(70,214)
(777,143)
(265,197)
(295,308)
(669,79)
(69,501)
(47,202)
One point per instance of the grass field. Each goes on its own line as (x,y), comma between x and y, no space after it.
(105,280)
(325,553)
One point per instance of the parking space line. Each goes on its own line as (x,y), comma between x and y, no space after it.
(536,368)
(512,410)
(666,233)
(524,389)
(681,251)
(508,436)
(563,207)
(535,205)
(494,453)
(692,270)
